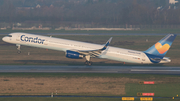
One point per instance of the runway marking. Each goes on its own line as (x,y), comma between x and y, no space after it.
(156,70)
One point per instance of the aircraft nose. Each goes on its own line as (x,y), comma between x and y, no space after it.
(4,38)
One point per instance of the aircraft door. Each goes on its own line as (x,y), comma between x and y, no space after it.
(18,38)
(143,57)
(46,42)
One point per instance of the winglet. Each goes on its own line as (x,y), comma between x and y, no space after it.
(107,43)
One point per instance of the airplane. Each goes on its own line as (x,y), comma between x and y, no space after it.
(79,50)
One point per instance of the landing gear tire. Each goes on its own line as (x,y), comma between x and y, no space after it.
(18,51)
(89,63)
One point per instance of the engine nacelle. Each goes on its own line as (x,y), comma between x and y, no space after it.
(73,55)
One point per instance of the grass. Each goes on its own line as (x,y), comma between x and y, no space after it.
(165,85)
(79,99)
(60,99)
(77,75)
(160,90)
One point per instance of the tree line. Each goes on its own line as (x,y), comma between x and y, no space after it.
(103,12)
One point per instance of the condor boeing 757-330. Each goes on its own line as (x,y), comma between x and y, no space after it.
(79,50)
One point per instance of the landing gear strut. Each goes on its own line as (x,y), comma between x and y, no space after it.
(88,62)
(18,49)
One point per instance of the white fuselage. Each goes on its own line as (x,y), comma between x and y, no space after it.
(112,53)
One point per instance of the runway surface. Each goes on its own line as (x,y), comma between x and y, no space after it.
(90,69)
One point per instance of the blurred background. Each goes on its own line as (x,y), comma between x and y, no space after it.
(64,14)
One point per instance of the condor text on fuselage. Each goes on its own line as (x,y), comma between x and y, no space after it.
(31,39)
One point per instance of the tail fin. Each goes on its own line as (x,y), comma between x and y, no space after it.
(161,47)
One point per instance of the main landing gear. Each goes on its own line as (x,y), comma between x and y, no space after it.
(88,62)
(18,49)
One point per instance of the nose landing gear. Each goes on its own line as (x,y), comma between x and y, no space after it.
(18,49)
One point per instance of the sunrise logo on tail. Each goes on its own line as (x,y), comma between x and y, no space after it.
(162,48)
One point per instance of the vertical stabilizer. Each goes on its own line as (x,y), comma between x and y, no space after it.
(160,48)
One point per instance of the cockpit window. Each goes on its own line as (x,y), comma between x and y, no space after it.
(9,35)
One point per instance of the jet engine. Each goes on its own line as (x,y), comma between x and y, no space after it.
(73,55)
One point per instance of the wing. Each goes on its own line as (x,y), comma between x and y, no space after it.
(95,53)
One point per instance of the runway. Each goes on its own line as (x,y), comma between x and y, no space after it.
(89,69)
